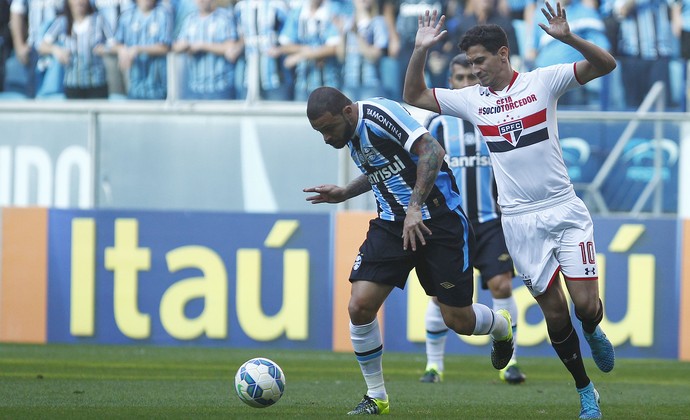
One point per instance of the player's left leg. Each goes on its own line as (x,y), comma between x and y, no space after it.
(446,271)
(577,257)
(479,319)
(590,311)
(566,343)
(501,287)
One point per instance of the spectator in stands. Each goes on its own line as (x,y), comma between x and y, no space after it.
(259,24)
(206,35)
(402,20)
(584,21)
(143,39)
(29,20)
(111,10)
(680,18)
(77,40)
(518,9)
(644,46)
(484,12)
(180,10)
(5,38)
(364,42)
(309,42)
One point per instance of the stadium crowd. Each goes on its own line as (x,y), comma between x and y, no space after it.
(283,49)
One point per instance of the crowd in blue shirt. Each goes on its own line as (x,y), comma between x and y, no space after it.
(283,49)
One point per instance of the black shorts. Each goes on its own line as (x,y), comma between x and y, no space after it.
(492,257)
(444,264)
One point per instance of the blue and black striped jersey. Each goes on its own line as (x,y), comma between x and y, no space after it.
(468,158)
(381,149)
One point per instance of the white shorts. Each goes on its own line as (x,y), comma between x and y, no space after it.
(546,241)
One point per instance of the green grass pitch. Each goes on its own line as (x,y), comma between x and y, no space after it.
(94,382)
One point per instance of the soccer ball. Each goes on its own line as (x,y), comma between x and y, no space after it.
(260,382)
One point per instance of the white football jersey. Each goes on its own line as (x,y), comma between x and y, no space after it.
(520,128)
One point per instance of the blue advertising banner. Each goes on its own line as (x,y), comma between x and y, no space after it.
(176,278)
(638,261)
(587,145)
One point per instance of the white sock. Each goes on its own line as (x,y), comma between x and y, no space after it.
(510,305)
(488,322)
(368,346)
(436,333)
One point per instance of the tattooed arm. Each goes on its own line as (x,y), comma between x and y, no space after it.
(430,155)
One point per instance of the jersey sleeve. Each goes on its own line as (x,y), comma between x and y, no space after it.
(434,123)
(454,101)
(389,119)
(558,78)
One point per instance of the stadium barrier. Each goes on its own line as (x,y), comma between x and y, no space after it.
(262,280)
(230,156)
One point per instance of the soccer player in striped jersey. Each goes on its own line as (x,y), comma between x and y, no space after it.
(547,228)
(143,36)
(205,36)
(468,158)
(77,40)
(420,225)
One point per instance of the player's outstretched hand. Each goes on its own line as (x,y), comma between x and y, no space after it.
(558,22)
(429,31)
(326,194)
(414,229)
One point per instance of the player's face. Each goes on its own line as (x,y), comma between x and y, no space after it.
(335,129)
(486,66)
(462,77)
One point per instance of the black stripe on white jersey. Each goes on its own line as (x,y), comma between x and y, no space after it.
(524,141)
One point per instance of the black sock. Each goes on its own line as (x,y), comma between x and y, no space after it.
(589,325)
(567,346)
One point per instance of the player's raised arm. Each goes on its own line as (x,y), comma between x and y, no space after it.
(597,62)
(415,91)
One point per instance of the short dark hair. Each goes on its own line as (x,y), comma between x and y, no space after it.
(492,37)
(326,99)
(460,60)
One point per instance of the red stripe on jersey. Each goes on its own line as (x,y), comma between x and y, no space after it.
(534,119)
(512,80)
(527,122)
(433,91)
(488,130)
(575,71)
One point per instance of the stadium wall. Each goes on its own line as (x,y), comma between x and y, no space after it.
(263,280)
(228,156)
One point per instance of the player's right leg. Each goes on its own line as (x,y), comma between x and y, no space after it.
(436,334)
(381,264)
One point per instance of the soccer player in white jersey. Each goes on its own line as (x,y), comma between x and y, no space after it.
(548,229)
(468,158)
